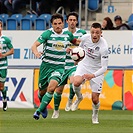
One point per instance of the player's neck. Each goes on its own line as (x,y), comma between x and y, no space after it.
(72,30)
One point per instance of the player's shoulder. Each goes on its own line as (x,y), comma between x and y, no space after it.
(103,45)
(104,42)
(86,36)
(5,37)
(65,31)
(47,32)
(79,30)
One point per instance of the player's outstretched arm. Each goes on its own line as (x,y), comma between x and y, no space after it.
(34,49)
(10,52)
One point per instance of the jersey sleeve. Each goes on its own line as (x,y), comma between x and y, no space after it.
(84,32)
(44,36)
(104,63)
(8,42)
(72,39)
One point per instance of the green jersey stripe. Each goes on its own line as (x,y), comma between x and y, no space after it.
(3,67)
(54,63)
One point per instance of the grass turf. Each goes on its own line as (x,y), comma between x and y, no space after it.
(21,121)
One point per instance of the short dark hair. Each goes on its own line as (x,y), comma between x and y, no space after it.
(1,23)
(72,14)
(56,16)
(96,25)
(117,18)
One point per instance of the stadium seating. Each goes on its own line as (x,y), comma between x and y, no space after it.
(18,17)
(40,24)
(32,17)
(65,23)
(4,18)
(11,24)
(130,21)
(130,18)
(1,19)
(46,17)
(130,24)
(26,24)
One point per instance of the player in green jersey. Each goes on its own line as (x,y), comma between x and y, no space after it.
(70,68)
(6,49)
(55,42)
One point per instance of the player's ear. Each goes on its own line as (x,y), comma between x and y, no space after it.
(101,32)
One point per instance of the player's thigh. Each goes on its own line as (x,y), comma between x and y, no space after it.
(52,86)
(54,78)
(3,74)
(96,90)
(71,74)
(44,74)
(67,74)
(56,74)
(96,86)
(80,71)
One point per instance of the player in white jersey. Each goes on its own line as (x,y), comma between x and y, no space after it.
(55,42)
(6,49)
(93,66)
(70,68)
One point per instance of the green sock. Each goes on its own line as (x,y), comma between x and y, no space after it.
(72,93)
(57,100)
(45,101)
(4,92)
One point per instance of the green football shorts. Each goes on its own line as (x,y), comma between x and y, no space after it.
(48,73)
(67,74)
(3,74)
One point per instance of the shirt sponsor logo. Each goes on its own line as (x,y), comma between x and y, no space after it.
(58,46)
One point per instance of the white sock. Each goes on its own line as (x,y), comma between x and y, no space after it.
(95,108)
(77,91)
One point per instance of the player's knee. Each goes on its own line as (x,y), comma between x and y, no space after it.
(76,83)
(51,90)
(95,100)
(1,86)
(42,92)
(59,91)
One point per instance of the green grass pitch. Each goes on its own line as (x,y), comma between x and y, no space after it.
(21,121)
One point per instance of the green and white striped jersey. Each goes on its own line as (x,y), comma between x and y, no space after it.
(5,45)
(69,61)
(54,47)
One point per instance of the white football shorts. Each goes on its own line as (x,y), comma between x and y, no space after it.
(95,83)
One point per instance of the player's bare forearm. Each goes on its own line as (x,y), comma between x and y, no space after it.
(36,53)
(76,42)
(34,49)
(10,52)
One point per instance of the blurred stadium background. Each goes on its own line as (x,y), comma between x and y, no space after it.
(89,11)
(22,78)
